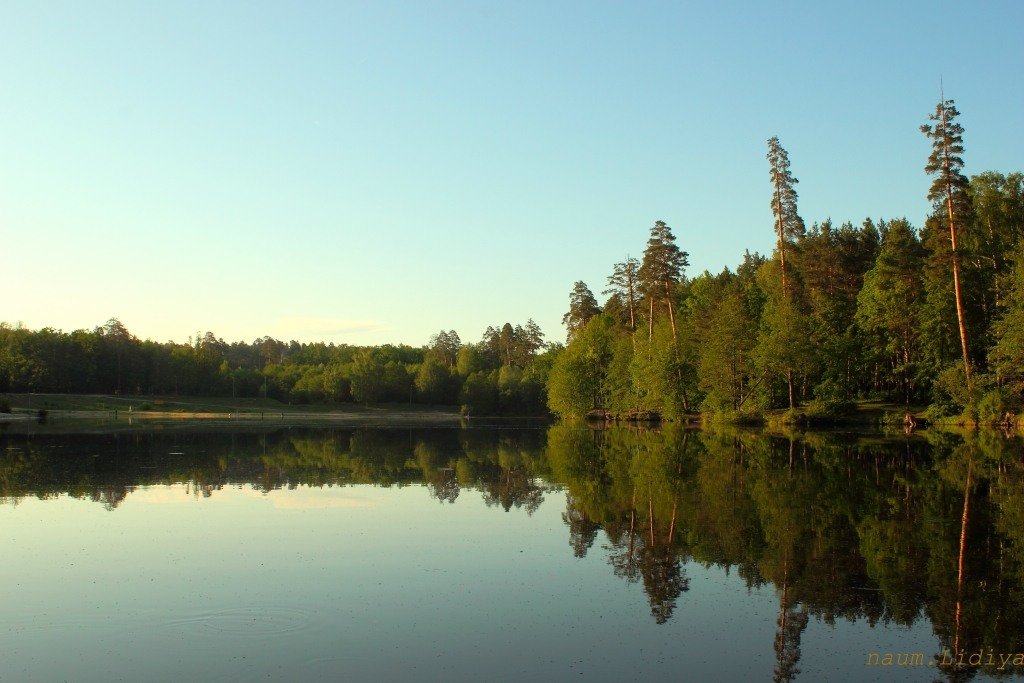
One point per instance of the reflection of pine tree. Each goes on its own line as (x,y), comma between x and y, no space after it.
(513,487)
(624,556)
(634,557)
(582,529)
(664,581)
(792,623)
(444,485)
(111,496)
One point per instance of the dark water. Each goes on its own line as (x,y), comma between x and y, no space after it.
(509,555)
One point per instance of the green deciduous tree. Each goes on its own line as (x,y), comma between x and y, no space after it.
(433,381)
(578,379)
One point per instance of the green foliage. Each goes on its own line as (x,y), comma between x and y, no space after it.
(725,326)
(995,404)
(623,286)
(445,346)
(479,395)
(831,399)
(510,345)
(656,374)
(889,309)
(376,380)
(663,263)
(783,352)
(1007,355)
(945,161)
(952,396)
(582,307)
(621,392)
(788,225)
(434,382)
(470,359)
(580,380)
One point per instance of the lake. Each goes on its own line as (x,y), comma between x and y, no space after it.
(171,552)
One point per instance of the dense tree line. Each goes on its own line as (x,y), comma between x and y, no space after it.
(505,372)
(930,315)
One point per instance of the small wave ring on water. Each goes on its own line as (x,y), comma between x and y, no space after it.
(250,621)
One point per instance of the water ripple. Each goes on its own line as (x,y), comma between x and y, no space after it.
(249,621)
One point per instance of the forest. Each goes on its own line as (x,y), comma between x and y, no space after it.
(930,316)
(502,374)
(922,316)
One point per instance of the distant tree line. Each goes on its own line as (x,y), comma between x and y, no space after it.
(506,372)
(838,313)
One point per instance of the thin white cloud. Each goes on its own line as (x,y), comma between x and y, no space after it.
(300,327)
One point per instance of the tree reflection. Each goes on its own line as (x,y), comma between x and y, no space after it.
(791,624)
(885,530)
(513,487)
(664,580)
(582,529)
(929,526)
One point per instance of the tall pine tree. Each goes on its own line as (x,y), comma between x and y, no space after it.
(660,272)
(788,225)
(948,193)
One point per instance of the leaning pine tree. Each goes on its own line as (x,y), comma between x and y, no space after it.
(949,194)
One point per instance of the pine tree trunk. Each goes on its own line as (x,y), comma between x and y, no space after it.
(671,315)
(675,347)
(629,292)
(782,240)
(960,560)
(959,297)
(956,260)
(650,510)
(650,329)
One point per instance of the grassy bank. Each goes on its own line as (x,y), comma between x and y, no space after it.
(100,406)
(862,414)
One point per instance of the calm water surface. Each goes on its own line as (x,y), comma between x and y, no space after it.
(509,555)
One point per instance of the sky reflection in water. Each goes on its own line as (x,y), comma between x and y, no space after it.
(445,555)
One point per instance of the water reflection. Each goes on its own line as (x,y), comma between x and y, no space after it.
(888,531)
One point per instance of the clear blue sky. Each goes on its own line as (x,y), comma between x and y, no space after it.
(372,172)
